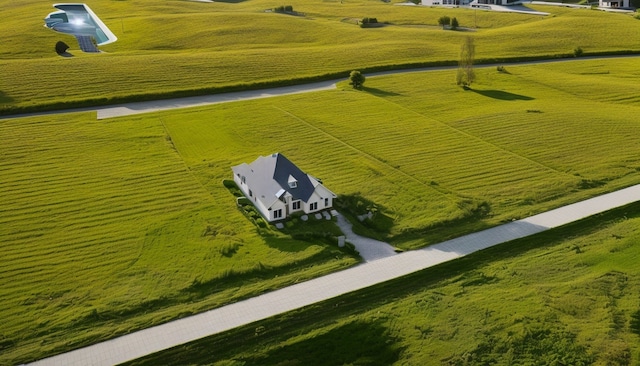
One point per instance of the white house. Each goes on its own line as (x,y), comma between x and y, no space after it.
(445,2)
(614,4)
(278,188)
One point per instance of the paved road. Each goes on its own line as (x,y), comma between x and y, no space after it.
(119,110)
(181,331)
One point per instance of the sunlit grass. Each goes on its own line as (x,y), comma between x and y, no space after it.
(102,222)
(568,295)
(114,225)
(173,46)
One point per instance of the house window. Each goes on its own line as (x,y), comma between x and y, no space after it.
(313,206)
(326,202)
(277,214)
(250,193)
(295,205)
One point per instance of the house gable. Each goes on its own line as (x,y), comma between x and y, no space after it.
(286,172)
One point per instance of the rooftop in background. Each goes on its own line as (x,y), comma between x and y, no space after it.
(79,21)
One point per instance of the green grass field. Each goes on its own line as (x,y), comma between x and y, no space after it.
(168,47)
(115,225)
(565,297)
(104,230)
(112,226)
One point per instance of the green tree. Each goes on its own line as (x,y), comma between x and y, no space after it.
(466,75)
(454,24)
(356,79)
(61,47)
(444,21)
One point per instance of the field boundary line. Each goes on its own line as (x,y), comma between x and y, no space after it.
(545,167)
(367,155)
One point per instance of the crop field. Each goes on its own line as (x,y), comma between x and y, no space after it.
(114,225)
(104,230)
(565,297)
(167,48)
(520,144)
(111,226)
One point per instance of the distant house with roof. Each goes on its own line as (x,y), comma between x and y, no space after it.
(614,4)
(278,188)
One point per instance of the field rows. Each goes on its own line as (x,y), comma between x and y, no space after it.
(77,209)
(216,45)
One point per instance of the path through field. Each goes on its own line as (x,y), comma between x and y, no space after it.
(158,338)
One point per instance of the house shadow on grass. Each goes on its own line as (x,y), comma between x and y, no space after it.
(501,95)
(378,92)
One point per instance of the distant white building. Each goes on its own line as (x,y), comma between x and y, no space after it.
(446,2)
(278,188)
(614,4)
(476,3)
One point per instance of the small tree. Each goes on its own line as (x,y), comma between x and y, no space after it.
(356,79)
(444,21)
(61,47)
(454,24)
(466,75)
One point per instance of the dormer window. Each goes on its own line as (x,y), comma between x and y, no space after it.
(293,183)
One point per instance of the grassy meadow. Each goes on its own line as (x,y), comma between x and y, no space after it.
(169,47)
(104,230)
(114,225)
(565,297)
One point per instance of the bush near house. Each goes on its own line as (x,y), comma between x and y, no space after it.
(369,22)
(283,9)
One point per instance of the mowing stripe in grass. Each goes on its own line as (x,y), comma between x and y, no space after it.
(188,329)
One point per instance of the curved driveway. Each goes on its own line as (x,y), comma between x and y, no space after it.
(158,338)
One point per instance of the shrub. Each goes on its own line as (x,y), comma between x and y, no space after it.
(368,22)
(444,21)
(61,47)
(283,9)
(356,79)
(454,24)
(577,52)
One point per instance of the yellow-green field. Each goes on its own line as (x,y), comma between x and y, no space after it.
(114,225)
(564,297)
(104,229)
(190,47)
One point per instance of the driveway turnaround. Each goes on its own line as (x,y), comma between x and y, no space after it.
(158,338)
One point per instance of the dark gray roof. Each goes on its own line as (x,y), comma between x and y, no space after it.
(284,169)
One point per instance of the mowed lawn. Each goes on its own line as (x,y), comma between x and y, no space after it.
(105,230)
(565,297)
(114,225)
(434,156)
(192,47)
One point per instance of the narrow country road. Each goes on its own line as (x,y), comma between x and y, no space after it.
(174,333)
(126,109)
